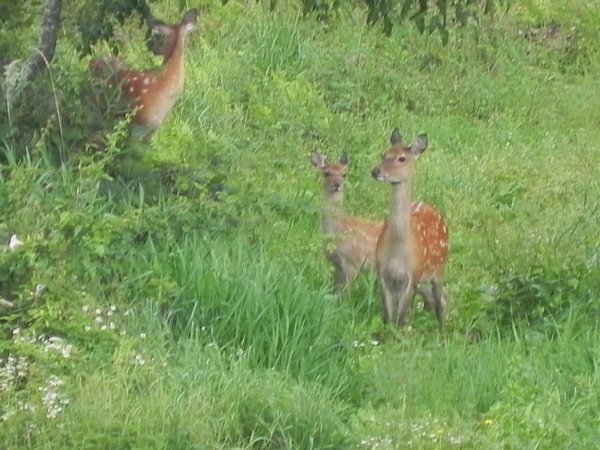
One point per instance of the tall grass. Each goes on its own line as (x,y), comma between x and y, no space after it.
(190,397)
(232,296)
(524,391)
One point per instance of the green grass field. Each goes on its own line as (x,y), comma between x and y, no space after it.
(174,295)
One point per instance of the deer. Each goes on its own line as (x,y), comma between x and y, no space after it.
(151,94)
(350,241)
(413,247)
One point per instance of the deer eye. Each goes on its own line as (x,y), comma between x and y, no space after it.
(401,158)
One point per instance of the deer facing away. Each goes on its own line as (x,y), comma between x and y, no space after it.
(413,247)
(151,94)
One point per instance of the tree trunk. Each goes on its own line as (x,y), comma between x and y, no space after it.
(19,74)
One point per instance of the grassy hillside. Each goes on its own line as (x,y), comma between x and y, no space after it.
(173,295)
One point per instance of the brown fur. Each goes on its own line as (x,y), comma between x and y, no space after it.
(413,247)
(151,94)
(350,241)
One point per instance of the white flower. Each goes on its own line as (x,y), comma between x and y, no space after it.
(5,303)
(51,398)
(7,415)
(39,290)
(14,243)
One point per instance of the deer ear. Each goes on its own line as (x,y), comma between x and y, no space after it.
(419,145)
(152,21)
(344,159)
(191,16)
(188,22)
(396,137)
(318,160)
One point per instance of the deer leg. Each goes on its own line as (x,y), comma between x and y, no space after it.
(397,293)
(387,299)
(428,299)
(340,282)
(404,294)
(344,275)
(441,301)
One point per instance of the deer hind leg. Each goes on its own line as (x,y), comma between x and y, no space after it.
(440,300)
(141,132)
(428,299)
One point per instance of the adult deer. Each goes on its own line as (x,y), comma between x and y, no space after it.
(151,94)
(413,247)
(351,241)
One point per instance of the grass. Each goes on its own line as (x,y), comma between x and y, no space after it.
(188,305)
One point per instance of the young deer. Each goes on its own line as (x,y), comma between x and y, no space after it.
(351,241)
(151,94)
(413,247)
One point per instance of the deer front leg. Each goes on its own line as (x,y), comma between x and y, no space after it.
(397,293)
(340,280)
(387,302)
(343,274)
(404,293)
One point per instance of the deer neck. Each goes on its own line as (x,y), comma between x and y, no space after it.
(173,62)
(332,212)
(399,219)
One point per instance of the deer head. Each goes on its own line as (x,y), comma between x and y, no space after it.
(333,174)
(396,163)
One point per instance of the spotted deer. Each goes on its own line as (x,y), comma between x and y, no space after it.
(413,246)
(151,94)
(350,241)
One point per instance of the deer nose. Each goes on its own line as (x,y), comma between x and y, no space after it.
(375,172)
(335,186)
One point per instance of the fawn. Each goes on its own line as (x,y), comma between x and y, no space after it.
(350,243)
(413,247)
(151,94)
